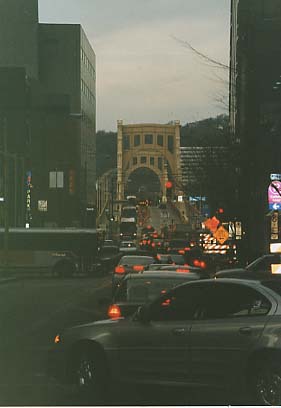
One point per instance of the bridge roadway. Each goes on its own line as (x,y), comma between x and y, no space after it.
(32,312)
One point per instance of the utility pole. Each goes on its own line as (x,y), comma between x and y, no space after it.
(6,187)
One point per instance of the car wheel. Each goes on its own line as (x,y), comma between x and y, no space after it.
(267,384)
(89,375)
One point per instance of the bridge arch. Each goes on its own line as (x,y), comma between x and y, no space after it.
(152,146)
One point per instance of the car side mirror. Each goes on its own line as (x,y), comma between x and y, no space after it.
(142,314)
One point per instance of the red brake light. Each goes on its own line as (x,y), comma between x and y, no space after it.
(181,251)
(153,244)
(166,302)
(187,249)
(196,262)
(203,264)
(182,270)
(114,312)
(138,268)
(144,242)
(120,269)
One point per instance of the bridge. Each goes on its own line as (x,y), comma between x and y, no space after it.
(148,155)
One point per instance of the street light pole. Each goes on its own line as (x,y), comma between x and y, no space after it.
(6,187)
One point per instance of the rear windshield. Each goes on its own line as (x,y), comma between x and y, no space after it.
(146,289)
(136,260)
(178,243)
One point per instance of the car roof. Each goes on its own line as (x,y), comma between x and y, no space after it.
(159,275)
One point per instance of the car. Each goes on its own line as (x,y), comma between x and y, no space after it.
(262,267)
(202,273)
(108,257)
(137,289)
(171,259)
(130,264)
(216,333)
(127,246)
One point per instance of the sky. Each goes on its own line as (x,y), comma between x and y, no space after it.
(145,72)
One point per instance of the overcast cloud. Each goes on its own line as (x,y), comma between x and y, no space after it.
(143,73)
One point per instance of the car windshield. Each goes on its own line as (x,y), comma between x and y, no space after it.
(146,289)
(136,260)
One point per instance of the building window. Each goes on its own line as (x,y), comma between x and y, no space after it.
(56,179)
(143,160)
(160,140)
(171,143)
(160,163)
(151,161)
(148,139)
(126,142)
(136,140)
(135,161)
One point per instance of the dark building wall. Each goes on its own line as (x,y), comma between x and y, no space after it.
(67,64)
(18,34)
(14,97)
(255,111)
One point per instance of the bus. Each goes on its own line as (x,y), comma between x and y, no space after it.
(60,252)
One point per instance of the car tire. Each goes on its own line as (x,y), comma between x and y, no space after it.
(266,383)
(89,375)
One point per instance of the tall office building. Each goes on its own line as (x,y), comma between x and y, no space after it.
(255,111)
(67,65)
(60,113)
(19,35)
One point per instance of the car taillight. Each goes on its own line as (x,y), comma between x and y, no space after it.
(138,268)
(187,249)
(114,312)
(182,270)
(120,269)
(153,244)
(200,264)
(181,251)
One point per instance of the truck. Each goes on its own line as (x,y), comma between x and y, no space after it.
(128,229)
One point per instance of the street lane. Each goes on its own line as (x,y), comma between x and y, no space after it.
(32,312)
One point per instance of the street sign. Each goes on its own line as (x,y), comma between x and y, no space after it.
(275,206)
(275,177)
(274,225)
(221,235)
(212,224)
(274,194)
(43,205)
